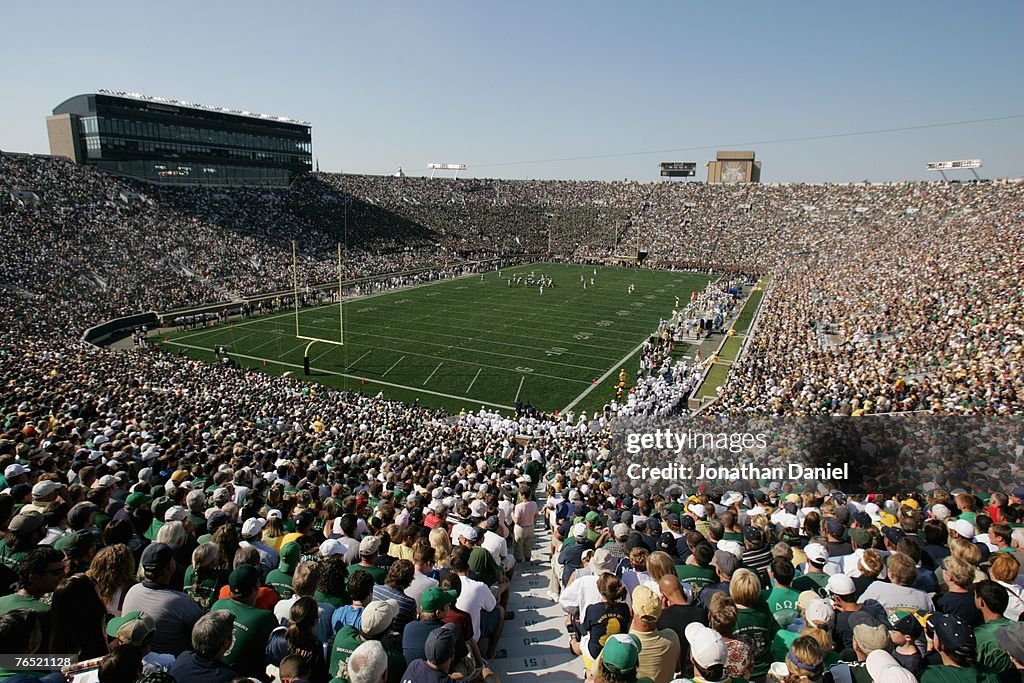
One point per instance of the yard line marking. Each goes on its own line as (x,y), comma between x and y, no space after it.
(357,377)
(393,366)
(432,374)
(474,380)
(352,365)
(519,389)
(603,377)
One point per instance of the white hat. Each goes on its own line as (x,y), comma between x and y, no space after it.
(706,645)
(698,510)
(15,470)
(820,613)
(731,497)
(732,547)
(874,512)
(478,508)
(175,513)
(332,546)
(579,530)
(940,512)
(840,584)
(961,526)
(44,488)
(253,526)
(882,666)
(369,545)
(275,514)
(816,553)
(145,474)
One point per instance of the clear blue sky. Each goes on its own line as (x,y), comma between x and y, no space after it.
(486,83)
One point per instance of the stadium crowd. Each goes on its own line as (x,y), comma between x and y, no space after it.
(172,520)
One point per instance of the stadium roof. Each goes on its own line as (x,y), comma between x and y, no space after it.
(196,105)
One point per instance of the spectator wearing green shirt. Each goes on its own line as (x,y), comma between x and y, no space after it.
(27,529)
(991,599)
(280,579)
(375,625)
(781,599)
(39,573)
(952,638)
(697,571)
(755,620)
(815,578)
(252,626)
(369,548)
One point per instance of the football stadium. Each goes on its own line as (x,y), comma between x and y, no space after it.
(265,423)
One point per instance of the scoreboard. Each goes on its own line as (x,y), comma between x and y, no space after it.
(679,169)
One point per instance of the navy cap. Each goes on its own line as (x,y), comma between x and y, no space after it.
(835,527)
(666,542)
(893,534)
(654,526)
(688,523)
(157,557)
(753,534)
(863,519)
(672,519)
(954,633)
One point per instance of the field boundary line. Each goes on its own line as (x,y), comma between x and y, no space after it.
(603,377)
(432,374)
(465,399)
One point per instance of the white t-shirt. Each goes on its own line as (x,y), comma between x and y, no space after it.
(474,599)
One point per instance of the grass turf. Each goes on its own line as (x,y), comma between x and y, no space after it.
(465,343)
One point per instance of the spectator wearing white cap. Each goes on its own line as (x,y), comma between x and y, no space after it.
(814,578)
(252,536)
(882,666)
(708,653)
(843,592)
(44,492)
(571,555)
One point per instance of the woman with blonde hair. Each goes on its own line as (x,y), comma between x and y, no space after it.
(754,620)
(805,663)
(659,564)
(204,577)
(722,617)
(442,545)
(113,571)
(274,531)
(961,550)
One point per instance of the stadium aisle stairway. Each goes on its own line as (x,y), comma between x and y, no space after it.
(535,640)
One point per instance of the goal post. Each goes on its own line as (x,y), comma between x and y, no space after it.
(312,339)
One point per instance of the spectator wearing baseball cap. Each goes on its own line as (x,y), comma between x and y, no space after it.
(709,653)
(659,647)
(440,654)
(843,592)
(138,629)
(252,535)
(173,611)
(905,631)
(369,548)
(375,626)
(725,564)
(571,555)
(26,529)
(252,626)
(835,533)
(435,604)
(814,578)
(952,638)
(1011,639)
(280,579)
(882,666)
(619,659)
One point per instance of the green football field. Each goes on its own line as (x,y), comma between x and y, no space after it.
(464,343)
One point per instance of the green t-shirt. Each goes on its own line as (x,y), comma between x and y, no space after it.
(949,674)
(810,582)
(281,583)
(782,602)
(205,592)
(757,623)
(378,574)
(348,640)
(991,657)
(10,558)
(698,577)
(252,630)
(9,603)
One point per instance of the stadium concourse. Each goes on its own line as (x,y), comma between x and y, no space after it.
(168,519)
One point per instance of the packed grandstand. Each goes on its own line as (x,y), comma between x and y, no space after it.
(169,519)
